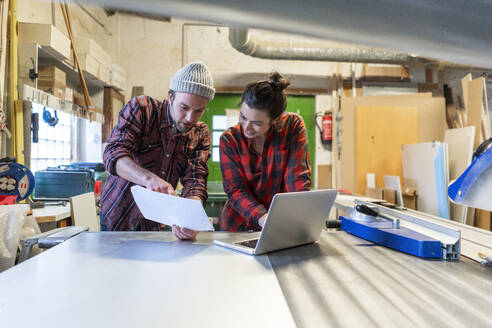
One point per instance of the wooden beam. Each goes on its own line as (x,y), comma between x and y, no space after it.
(16,118)
(88,101)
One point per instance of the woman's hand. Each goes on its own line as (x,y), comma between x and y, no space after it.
(262,220)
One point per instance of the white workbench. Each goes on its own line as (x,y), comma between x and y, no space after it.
(110,279)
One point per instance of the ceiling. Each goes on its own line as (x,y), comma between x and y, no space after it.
(456,31)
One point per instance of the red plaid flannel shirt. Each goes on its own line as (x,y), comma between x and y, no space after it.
(251,180)
(146,133)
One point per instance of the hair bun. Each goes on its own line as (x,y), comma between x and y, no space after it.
(278,82)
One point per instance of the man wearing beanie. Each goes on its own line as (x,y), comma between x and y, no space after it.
(155,144)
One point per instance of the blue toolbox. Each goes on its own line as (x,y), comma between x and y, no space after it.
(57,183)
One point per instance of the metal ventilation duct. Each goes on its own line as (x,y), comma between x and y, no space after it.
(241,40)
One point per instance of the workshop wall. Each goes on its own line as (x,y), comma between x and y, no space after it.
(86,21)
(151,51)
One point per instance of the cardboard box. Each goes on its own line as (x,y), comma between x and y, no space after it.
(374,193)
(87,46)
(93,66)
(118,77)
(410,198)
(53,80)
(389,195)
(51,74)
(46,35)
(57,92)
(69,95)
(384,73)
(78,99)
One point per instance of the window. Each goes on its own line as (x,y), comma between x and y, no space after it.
(54,146)
(219,125)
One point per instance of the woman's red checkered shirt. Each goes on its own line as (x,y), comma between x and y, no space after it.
(251,180)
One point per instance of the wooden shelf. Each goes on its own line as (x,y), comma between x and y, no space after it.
(31,94)
(48,58)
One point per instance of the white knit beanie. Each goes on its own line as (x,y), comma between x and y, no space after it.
(194,78)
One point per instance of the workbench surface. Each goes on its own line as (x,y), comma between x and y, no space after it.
(131,279)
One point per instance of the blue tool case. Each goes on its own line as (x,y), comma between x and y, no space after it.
(62,183)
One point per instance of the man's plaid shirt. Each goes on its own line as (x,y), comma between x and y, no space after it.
(146,133)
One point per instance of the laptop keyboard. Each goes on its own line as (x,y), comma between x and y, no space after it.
(248,243)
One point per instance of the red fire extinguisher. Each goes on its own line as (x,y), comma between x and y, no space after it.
(326,127)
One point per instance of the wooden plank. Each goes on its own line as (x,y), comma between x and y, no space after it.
(3,59)
(474,108)
(347,89)
(482,219)
(431,122)
(379,134)
(51,213)
(112,104)
(464,86)
(460,151)
(485,112)
(430,87)
(429,75)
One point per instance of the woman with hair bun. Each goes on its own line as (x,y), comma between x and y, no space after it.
(264,154)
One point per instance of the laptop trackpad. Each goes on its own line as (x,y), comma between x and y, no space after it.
(248,243)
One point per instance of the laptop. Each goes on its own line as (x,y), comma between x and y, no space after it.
(294,219)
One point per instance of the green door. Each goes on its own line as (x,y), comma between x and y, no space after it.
(302,105)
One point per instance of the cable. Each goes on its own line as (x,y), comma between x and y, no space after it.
(481,148)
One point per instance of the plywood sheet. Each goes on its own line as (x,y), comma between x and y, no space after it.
(460,150)
(84,211)
(431,122)
(324,176)
(424,167)
(379,134)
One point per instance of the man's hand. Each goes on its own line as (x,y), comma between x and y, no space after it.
(155,183)
(183,233)
(130,171)
(262,220)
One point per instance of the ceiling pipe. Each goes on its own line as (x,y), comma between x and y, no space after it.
(241,40)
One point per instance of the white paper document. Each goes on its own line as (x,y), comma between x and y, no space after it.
(169,210)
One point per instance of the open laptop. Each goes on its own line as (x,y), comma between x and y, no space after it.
(294,219)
